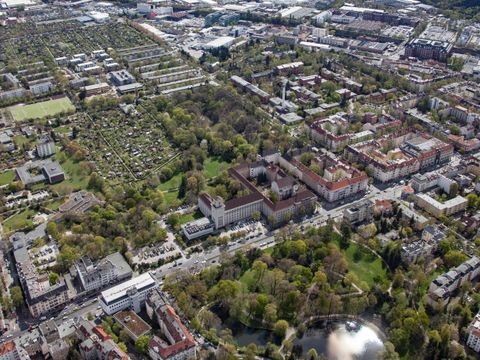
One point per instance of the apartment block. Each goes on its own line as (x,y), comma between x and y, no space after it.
(108,271)
(437,208)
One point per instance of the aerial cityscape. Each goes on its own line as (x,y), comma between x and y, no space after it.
(230,179)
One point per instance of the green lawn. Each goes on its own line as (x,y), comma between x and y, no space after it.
(41,109)
(73,174)
(54,205)
(63,130)
(190,217)
(7,177)
(171,198)
(19,221)
(173,183)
(365,269)
(212,167)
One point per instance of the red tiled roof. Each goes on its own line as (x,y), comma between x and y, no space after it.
(101,333)
(6,347)
(168,316)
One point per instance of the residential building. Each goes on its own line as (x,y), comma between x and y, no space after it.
(444,286)
(332,132)
(179,344)
(338,181)
(8,351)
(246,86)
(41,297)
(358,213)
(130,294)
(45,147)
(107,271)
(473,331)
(97,344)
(400,155)
(437,208)
(41,88)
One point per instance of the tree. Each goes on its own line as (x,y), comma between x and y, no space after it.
(142,344)
(53,278)
(16,296)
(312,354)
(256,215)
(280,328)
(454,258)
(173,220)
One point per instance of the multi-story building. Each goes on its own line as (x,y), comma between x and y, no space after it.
(437,208)
(180,344)
(41,297)
(293,199)
(444,286)
(400,155)
(246,86)
(338,181)
(8,351)
(108,271)
(130,294)
(428,49)
(359,212)
(45,147)
(473,331)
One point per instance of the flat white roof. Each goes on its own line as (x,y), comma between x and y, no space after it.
(221,41)
(120,290)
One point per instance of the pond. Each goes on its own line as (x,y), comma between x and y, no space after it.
(342,340)
(242,334)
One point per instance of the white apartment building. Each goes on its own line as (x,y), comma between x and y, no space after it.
(437,208)
(110,270)
(473,340)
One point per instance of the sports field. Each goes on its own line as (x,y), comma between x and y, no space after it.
(42,109)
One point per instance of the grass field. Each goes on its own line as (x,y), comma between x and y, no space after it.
(7,177)
(41,109)
(19,221)
(190,217)
(367,268)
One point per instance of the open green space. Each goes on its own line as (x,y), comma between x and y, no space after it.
(73,174)
(7,177)
(190,217)
(173,183)
(368,268)
(18,221)
(55,204)
(171,198)
(42,109)
(212,167)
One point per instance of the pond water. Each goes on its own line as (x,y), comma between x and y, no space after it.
(342,340)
